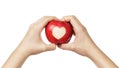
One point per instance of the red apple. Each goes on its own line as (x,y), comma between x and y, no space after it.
(58,32)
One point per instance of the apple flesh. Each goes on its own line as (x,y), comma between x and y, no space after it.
(58,32)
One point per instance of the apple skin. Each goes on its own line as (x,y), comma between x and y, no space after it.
(56,23)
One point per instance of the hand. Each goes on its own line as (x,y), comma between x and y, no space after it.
(84,45)
(82,38)
(32,42)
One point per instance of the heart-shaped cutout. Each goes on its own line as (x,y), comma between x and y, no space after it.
(58,32)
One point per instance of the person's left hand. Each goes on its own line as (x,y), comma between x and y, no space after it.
(32,42)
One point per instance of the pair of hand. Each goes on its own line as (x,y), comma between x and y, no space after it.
(33,43)
(82,44)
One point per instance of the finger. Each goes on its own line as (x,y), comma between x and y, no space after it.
(73,19)
(73,23)
(77,26)
(41,23)
(65,46)
(50,47)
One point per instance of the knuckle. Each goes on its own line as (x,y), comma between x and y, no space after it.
(72,16)
(32,26)
(47,16)
(44,16)
(83,29)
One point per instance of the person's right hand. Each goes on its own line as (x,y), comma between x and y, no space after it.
(82,40)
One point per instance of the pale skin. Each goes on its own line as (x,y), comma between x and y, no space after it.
(33,44)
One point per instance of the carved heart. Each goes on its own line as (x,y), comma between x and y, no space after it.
(58,32)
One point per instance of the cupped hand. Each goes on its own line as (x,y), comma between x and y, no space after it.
(82,41)
(32,42)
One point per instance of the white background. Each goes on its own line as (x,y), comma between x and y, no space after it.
(100,17)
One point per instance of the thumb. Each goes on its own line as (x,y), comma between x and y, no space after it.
(50,47)
(65,46)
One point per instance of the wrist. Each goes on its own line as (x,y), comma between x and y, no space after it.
(22,51)
(90,48)
(16,59)
(99,58)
